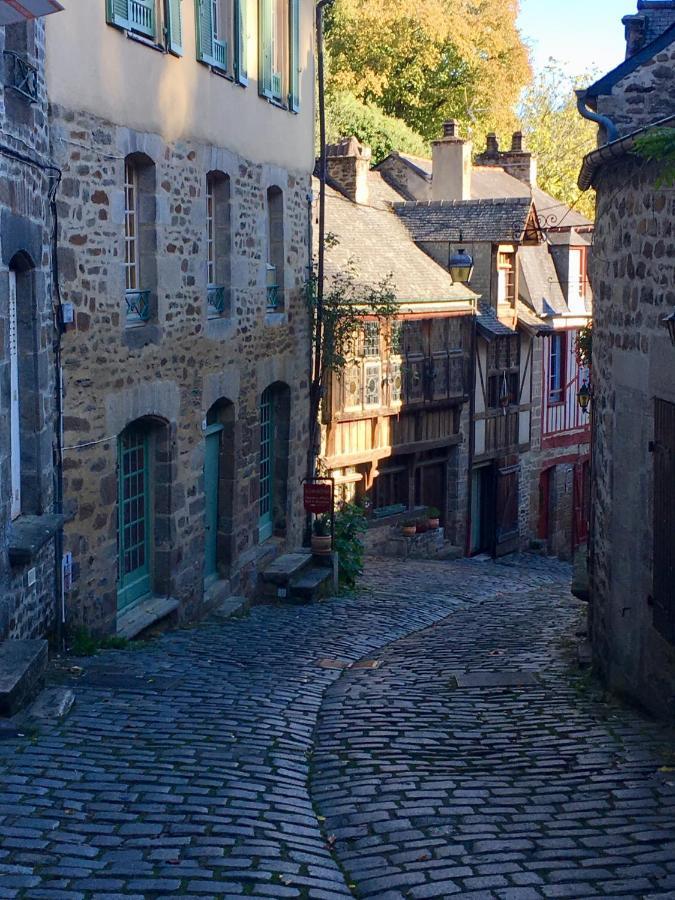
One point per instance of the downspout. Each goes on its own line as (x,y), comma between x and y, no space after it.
(610,128)
(472,427)
(315,382)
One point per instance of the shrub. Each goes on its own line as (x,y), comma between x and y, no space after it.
(350,522)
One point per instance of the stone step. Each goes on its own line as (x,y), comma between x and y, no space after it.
(284,569)
(312,584)
(23,665)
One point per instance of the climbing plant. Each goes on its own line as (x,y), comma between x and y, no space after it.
(658,145)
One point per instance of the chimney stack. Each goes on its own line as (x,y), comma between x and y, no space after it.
(518,161)
(451,156)
(348,165)
(651,20)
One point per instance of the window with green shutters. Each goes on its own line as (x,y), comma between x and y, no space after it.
(241,41)
(213,30)
(174,26)
(279,54)
(135,15)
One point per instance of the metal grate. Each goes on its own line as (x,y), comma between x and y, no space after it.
(138,306)
(21,76)
(142,16)
(216,300)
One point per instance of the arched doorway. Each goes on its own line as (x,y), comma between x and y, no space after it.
(218,490)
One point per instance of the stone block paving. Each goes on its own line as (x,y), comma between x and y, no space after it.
(435,781)
(183,769)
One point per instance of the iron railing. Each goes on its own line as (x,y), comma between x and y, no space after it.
(141,17)
(272,296)
(220,53)
(138,306)
(20,75)
(276,85)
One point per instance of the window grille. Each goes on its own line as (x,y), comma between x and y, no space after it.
(371,339)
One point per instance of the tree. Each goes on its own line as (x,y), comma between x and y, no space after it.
(347,116)
(558,136)
(424,61)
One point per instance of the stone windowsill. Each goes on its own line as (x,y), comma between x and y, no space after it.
(28,534)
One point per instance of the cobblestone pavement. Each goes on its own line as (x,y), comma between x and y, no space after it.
(435,781)
(183,769)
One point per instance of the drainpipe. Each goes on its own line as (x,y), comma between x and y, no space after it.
(610,128)
(315,382)
(472,427)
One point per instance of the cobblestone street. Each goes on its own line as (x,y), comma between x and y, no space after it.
(238,758)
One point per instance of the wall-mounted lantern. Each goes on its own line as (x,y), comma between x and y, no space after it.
(584,396)
(460,264)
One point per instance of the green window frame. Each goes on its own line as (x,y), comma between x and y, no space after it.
(173,26)
(271,80)
(266,471)
(139,16)
(134,516)
(241,41)
(294,56)
(212,49)
(265,49)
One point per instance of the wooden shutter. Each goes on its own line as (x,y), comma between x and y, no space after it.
(664,519)
(507,531)
(204,29)
(294,55)
(174,27)
(118,12)
(241,41)
(265,48)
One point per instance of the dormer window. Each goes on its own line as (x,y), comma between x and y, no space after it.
(506,277)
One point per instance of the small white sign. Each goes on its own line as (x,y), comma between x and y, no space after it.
(32,577)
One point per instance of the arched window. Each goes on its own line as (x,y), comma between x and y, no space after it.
(219,476)
(144,490)
(25,421)
(140,239)
(218,243)
(275,249)
(273,471)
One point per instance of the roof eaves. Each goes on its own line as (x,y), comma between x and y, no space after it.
(614,150)
(605,84)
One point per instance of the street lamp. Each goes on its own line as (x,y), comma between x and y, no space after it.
(669,322)
(584,397)
(460,264)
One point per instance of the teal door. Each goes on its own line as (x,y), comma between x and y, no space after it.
(134,517)
(211,481)
(266,523)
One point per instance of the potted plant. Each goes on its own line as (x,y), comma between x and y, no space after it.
(321,541)
(408,527)
(433,517)
(421,526)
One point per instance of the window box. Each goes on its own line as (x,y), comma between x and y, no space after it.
(138,307)
(216,300)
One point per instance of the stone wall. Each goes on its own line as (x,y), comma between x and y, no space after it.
(172,370)
(633,362)
(643,96)
(27,589)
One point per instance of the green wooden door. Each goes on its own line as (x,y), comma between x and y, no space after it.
(211,479)
(134,517)
(266,523)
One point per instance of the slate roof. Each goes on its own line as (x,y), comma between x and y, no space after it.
(530,320)
(605,84)
(377,243)
(503,219)
(489,325)
(539,284)
(492,182)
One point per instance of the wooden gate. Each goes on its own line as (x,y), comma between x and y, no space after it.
(507,531)
(664,519)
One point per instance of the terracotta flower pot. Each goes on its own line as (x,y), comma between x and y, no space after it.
(321,544)
(408,530)
(421,527)
(434,523)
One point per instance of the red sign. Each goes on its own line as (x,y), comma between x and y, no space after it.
(318,497)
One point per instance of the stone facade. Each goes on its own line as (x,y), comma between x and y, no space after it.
(27,567)
(633,363)
(183,369)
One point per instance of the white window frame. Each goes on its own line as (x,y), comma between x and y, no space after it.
(210,232)
(372,370)
(131,244)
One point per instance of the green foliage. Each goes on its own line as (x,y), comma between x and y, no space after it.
(659,146)
(433,512)
(346,303)
(558,136)
(83,643)
(350,523)
(424,61)
(347,116)
(321,526)
(584,345)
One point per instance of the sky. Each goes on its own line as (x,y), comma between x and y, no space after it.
(581,34)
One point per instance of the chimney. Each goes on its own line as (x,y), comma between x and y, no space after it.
(348,165)
(518,161)
(451,155)
(636,28)
(652,19)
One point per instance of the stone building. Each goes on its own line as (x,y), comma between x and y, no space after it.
(184,134)
(530,450)
(632,547)
(396,422)
(29,519)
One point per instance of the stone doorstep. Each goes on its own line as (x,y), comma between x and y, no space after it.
(28,534)
(132,622)
(312,584)
(284,568)
(23,665)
